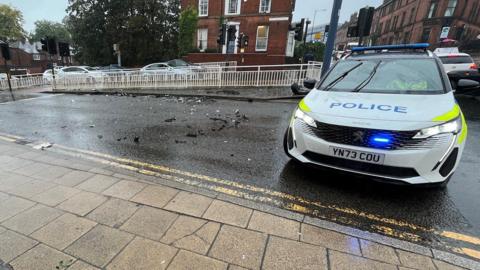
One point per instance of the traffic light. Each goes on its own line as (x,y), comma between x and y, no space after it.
(44,42)
(221,34)
(299,30)
(365,18)
(352,31)
(52,46)
(64,49)
(245,41)
(232,33)
(327,28)
(5,51)
(240,40)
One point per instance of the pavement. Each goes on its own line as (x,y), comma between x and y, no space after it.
(61,211)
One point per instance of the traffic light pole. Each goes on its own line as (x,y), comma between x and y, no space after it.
(7,70)
(327,60)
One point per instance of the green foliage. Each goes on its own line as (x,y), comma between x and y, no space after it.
(188,26)
(317,49)
(145,29)
(52,29)
(11,21)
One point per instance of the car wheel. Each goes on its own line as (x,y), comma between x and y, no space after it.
(285,143)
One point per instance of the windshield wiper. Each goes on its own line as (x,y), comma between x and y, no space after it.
(341,77)
(367,80)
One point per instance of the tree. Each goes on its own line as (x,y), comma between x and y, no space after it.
(317,49)
(11,21)
(52,29)
(145,30)
(188,25)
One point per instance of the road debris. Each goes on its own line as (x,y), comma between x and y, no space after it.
(136,139)
(169,120)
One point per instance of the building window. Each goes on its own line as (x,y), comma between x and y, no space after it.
(265,6)
(452,4)
(426,35)
(232,7)
(394,25)
(433,10)
(203,8)
(412,15)
(202,39)
(402,22)
(36,57)
(262,38)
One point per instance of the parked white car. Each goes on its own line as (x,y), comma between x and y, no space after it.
(80,72)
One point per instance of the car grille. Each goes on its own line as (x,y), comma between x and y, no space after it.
(397,140)
(380,170)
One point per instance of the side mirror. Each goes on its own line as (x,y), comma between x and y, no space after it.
(310,83)
(465,84)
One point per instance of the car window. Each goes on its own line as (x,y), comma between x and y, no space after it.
(395,76)
(456,59)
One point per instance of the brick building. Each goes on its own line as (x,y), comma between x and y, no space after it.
(265,22)
(411,21)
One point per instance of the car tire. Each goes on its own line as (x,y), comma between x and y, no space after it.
(285,144)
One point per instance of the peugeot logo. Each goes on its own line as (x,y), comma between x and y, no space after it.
(358,136)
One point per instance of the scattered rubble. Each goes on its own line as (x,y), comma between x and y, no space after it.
(136,139)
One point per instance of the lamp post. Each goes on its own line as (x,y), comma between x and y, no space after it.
(337,5)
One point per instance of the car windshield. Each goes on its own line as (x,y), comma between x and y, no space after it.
(177,63)
(456,59)
(391,76)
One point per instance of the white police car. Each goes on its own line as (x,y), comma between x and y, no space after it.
(383,111)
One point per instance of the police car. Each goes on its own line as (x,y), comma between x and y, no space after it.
(385,111)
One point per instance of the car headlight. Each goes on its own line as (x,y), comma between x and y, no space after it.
(454,126)
(305,118)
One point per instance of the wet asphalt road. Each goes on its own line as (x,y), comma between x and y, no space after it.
(211,137)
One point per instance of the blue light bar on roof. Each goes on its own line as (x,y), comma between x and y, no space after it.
(415,46)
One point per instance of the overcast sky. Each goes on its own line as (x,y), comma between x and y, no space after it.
(54,10)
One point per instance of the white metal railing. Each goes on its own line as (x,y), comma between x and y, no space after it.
(23,81)
(206,77)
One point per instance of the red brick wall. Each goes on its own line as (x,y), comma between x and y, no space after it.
(248,59)
(23,60)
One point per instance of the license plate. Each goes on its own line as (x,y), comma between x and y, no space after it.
(357,155)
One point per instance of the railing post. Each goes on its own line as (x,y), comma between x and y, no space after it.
(300,74)
(258,76)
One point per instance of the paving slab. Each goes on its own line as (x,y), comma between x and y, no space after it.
(413,260)
(11,181)
(79,265)
(191,234)
(31,188)
(239,246)
(344,261)
(73,178)
(186,260)
(124,189)
(82,203)
(144,254)
(12,206)
(51,173)
(4,196)
(97,183)
(189,203)
(288,254)
(379,252)
(274,225)
(228,213)
(41,257)
(100,245)
(114,212)
(32,169)
(157,196)
(13,245)
(63,231)
(55,196)
(32,219)
(149,222)
(330,239)
(446,266)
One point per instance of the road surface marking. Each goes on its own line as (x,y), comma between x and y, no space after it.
(461,237)
(470,252)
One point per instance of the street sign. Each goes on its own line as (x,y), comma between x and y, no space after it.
(444,33)
(318,36)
